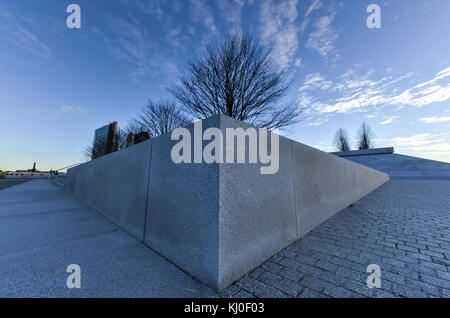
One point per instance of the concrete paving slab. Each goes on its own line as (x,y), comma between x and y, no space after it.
(112,264)
(37,247)
(33,230)
(39,196)
(6,183)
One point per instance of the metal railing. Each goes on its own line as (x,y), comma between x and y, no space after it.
(68,167)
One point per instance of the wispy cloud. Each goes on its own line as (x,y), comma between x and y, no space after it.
(318,122)
(279,29)
(315,5)
(355,92)
(21,35)
(428,144)
(434,90)
(74,109)
(200,11)
(434,119)
(150,7)
(324,35)
(230,11)
(315,81)
(390,120)
(127,42)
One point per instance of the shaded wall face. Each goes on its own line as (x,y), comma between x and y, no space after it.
(116,185)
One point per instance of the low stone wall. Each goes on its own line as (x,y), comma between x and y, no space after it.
(364,152)
(116,185)
(183,210)
(219,221)
(398,166)
(326,184)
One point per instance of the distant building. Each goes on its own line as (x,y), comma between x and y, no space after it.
(106,140)
(135,138)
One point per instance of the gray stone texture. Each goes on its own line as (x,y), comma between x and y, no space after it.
(183,203)
(326,184)
(364,152)
(38,242)
(219,221)
(256,212)
(401,166)
(381,229)
(116,185)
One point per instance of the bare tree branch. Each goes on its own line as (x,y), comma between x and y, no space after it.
(91,152)
(158,118)
(236,77)
(365,137)
(341,140)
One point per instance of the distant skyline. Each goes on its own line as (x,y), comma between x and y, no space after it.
(57,85)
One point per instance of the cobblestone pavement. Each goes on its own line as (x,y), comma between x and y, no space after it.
(404,227)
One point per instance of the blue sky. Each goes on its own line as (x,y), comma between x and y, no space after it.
(57,85)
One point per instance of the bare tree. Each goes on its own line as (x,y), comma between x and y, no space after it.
(91,151)
(132,128)
(341,140)
(237,77)
(159,118)
(365,137)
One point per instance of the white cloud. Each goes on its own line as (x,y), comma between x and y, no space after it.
(423,145)
(151,7)
(323,37)
(390,120)
(434,119)
(201,12)
(315,5)
(427,92)
(278,28)
(18,33)
(355,92)
(418,141)
(315,80)
(74,109)
(317,122)
(130,43)
(231,12)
